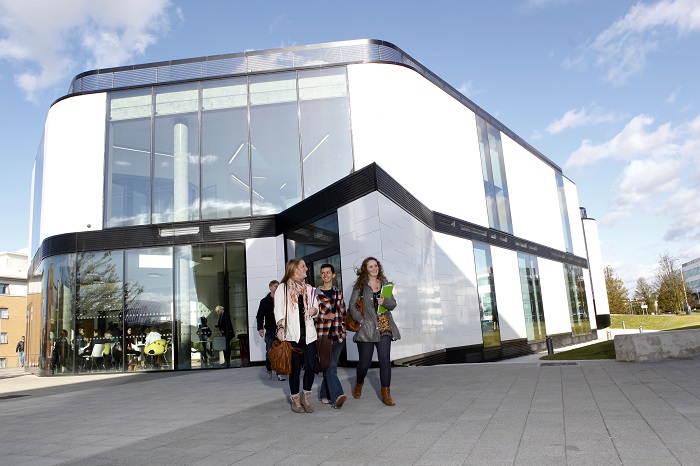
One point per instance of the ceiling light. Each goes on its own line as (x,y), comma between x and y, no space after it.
(207,257)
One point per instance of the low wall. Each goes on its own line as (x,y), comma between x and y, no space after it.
(657,345)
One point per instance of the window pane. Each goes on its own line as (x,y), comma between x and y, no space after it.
(578,304)
(225,166)
(57,357)
(564,211)
(490,327)
(149,304)
(325,128)
(274,138)
(128,186)
(98,343)
(495,184)
(176,155)
(532,297)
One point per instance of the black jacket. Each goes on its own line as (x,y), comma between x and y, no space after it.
(266,315)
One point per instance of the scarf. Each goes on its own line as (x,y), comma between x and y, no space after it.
(294,289)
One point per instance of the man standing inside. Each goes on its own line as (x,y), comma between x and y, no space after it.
(267,327)
(20,350)
(332,314)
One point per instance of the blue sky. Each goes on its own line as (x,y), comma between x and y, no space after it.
(606,89)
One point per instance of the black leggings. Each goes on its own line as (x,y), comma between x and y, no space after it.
(308,360)
(366,350)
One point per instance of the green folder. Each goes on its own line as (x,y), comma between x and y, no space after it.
(386,293)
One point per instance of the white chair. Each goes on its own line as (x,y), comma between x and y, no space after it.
(97,353)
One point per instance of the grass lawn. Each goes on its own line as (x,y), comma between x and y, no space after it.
(606,349)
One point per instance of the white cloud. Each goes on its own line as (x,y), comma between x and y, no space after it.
(589,115)
(643,179)
(46,41)
(684,220)
(622,48)
(634,141)
(673,96)
(466,88)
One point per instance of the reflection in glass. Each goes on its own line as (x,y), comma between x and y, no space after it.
(326,146)
(150,314)
(128,178)
(274,139)
(199,289)
(315,236)
(532,297)
(564,211)
(576,296)
(495,184)
(99,304)
(225,154)
(490,327)
(238,303)
(176,154)
(59,292)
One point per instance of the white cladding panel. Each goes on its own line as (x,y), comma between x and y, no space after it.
(509,298)
(420,135)
(459,300)
(375,226)
(262,266)
(577,238)
(532,190)
(74,147)
(595,262)
(554,300)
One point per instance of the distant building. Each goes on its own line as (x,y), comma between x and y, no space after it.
(13,305)
(691,274)
(163,190)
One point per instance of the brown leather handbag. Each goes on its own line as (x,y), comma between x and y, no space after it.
(280,354)
(350,323)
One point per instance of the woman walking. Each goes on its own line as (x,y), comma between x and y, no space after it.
(295,309)
(376,330)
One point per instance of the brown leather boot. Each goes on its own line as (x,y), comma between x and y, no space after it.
(296,404)
(357,391)
(386,397)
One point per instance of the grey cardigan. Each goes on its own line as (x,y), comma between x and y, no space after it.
(369,330)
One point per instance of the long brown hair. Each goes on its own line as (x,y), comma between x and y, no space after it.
(363,275)
(289,270)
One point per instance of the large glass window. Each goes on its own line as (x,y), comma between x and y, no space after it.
(37,188)
(532,297)
(326,146)
(274,139)
(57,351)
(97,342)
(128,173)
(148,282)
(576,295)
(495,184)
(488,309)
(176,154)
(225,154)
(564,211)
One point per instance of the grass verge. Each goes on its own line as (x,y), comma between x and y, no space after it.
(602,350)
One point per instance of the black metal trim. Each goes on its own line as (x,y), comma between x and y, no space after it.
(354,186)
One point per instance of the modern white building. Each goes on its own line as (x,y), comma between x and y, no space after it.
(165,189)
(691,274)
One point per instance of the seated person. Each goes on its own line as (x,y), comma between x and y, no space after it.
(152,335)
(132,349)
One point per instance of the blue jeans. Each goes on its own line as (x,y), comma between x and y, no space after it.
(331,382)
(269,338)
(21,358)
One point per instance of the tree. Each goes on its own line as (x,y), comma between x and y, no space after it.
(617,293)
(670,286)
(644,293)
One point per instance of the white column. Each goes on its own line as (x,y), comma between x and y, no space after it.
(180,168)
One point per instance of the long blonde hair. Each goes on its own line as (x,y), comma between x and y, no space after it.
(289,270)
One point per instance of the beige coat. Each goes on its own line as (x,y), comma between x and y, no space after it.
(293,330)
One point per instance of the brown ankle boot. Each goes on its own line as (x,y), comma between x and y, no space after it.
(386,397)
(357,391)
(306,401)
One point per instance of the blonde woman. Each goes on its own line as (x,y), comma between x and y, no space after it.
(297,301)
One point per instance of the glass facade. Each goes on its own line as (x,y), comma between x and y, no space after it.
(225,148)
(532,297)
(494,171)
(564,211)
(488,309)
(576,296)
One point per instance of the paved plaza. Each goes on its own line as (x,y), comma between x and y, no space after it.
(514,412)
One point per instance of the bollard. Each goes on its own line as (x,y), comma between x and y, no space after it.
(640,329)
(623,325)
(609,335)
(550,346)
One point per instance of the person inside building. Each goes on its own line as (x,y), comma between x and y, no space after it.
(377,330)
